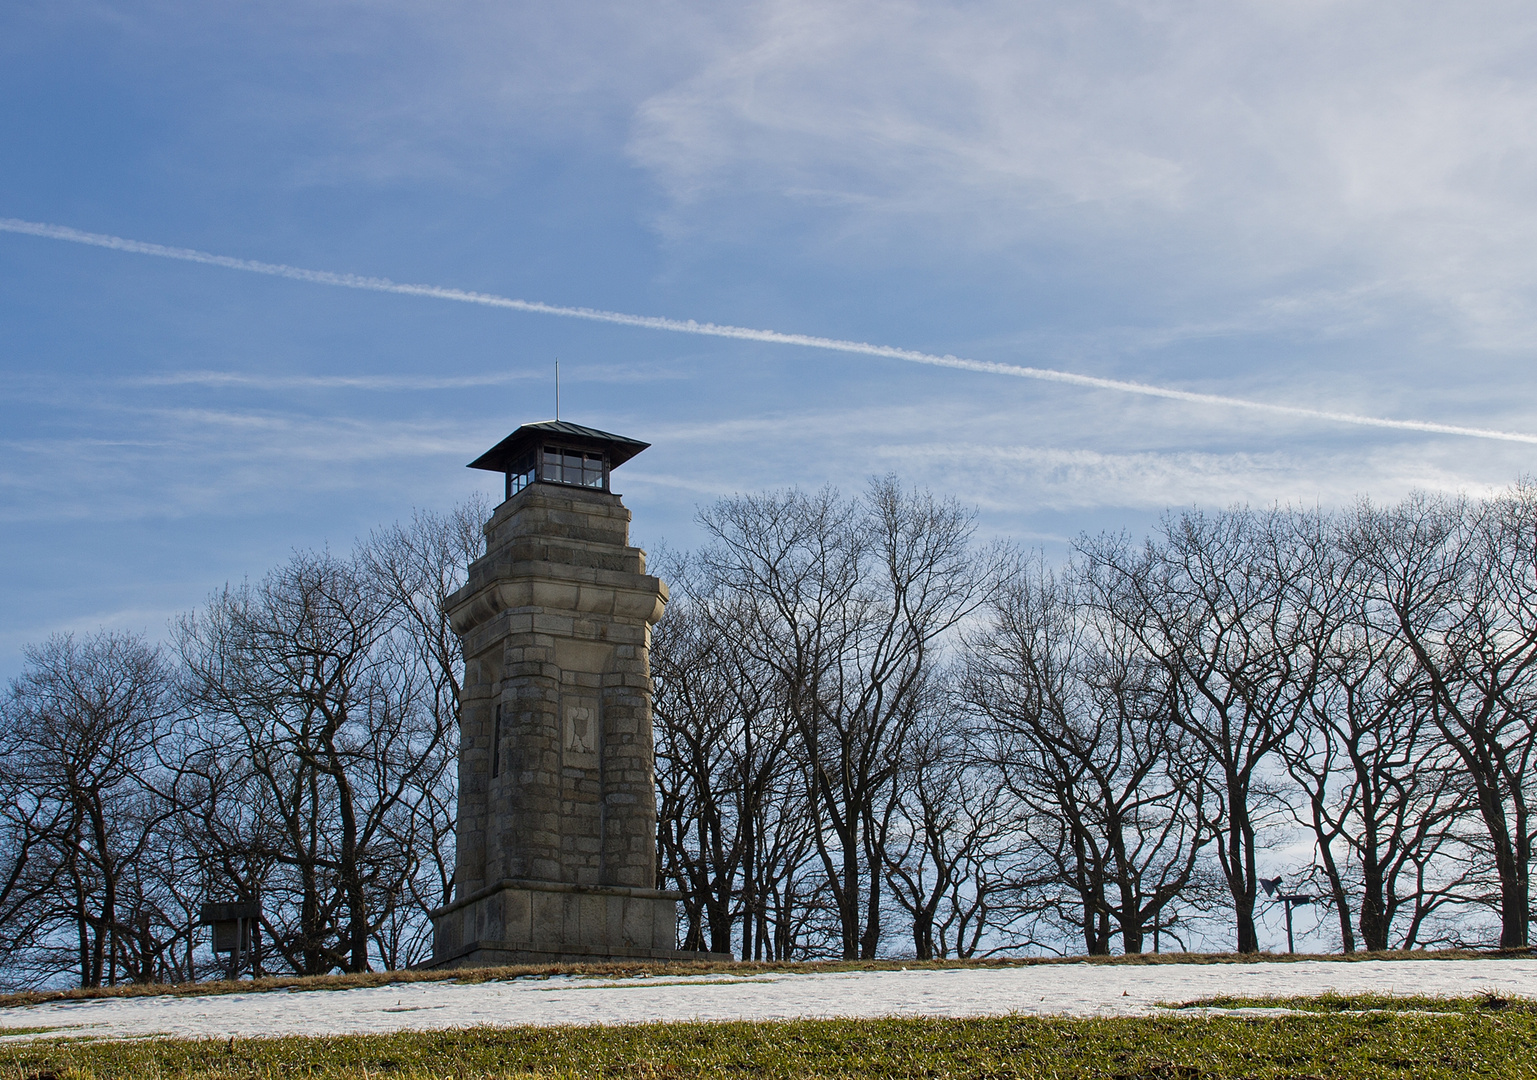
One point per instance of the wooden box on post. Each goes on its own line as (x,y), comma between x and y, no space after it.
(234,929)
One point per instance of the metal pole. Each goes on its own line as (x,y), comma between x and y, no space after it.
(1291,946)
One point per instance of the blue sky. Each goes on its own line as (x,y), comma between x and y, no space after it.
(1329,205)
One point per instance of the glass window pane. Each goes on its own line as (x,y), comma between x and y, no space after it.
(563,465)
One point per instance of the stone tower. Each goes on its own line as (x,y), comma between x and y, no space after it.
(557,801)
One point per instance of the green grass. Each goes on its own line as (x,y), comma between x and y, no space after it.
(1488,1003)
(1472,1042)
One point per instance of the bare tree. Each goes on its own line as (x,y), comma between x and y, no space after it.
(310,718)
(954,857)
(1084,728)
(1458,583)
(82,815)
(731,806)
(701,833)
(1381,797)
(846,602)
(1216,601)
(418,566)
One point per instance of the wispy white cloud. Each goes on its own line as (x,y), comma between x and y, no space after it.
(1015,473)
(328,382)
(1236,145)
(1004,478)
(171,462)
(695,485)
(392,383)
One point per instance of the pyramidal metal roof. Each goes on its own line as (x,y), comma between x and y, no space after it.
(501,456)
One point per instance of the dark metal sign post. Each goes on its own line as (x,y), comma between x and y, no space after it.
(1291,900)
(236,930)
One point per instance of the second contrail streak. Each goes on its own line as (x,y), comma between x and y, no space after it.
(741,333)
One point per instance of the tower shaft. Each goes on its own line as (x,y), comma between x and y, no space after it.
(557,805)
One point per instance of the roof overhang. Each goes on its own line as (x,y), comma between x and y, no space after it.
(502,456)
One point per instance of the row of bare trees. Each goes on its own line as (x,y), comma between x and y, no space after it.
(293,746)
(873,733)
(795,689)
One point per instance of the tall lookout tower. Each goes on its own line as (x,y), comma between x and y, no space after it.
(557,800)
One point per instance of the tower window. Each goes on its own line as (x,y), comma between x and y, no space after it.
(558,465)
(522,473)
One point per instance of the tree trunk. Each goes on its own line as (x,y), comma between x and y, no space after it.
(923,936)
(1242,878)
(1515,903)
(1374,915)
(1331,870)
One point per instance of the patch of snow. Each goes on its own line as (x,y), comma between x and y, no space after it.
(1046,990)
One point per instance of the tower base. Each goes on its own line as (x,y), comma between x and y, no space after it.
(537,922)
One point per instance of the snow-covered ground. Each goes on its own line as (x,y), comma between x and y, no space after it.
(1064,989)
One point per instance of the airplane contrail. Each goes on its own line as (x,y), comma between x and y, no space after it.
(740,333)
